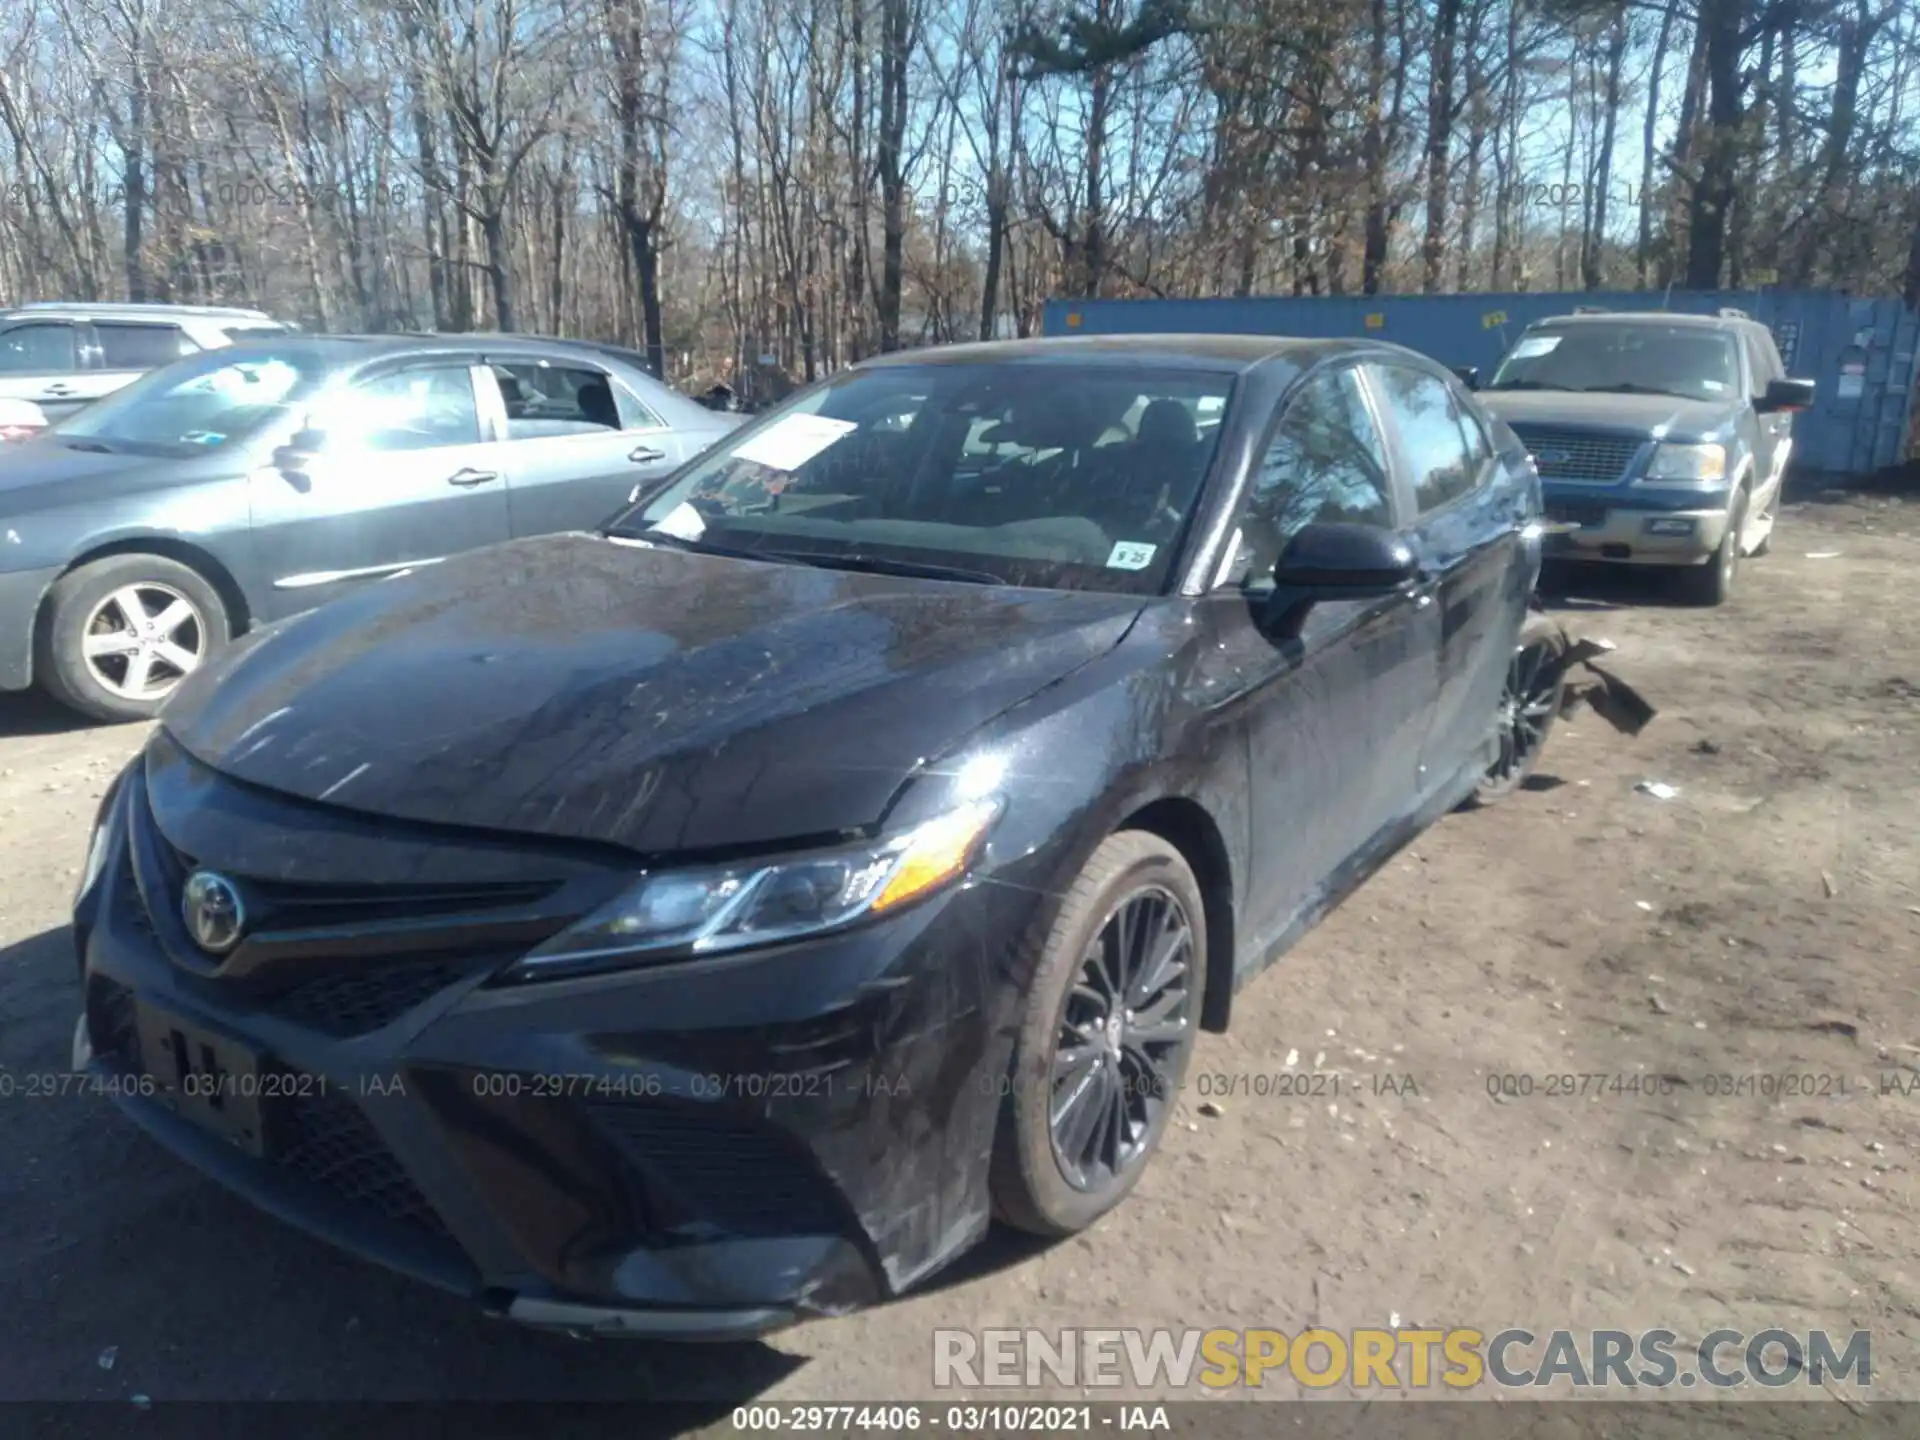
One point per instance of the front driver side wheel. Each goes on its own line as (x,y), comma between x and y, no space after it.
(1110,1024)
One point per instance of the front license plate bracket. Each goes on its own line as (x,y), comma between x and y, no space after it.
(205,1076)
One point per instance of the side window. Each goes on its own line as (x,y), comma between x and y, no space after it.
(423,408)
(46,348)
(634,414)
(545,401)
(1764,361)
(140,347)
(1325,462)
(1433,435)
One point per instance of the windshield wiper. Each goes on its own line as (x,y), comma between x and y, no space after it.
(887,565)
(92,446)
(671,541)
(1530,385)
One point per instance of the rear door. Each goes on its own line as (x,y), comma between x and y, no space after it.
(1774,443)
(576,441)
(1469,535)
(403,477)
(124,350)
(45,361)
(1335,713)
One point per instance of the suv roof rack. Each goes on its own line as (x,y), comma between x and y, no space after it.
(108,307)
(1727,312)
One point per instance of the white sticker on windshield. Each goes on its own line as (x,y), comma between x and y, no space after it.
(790,443)
(1131,555)
(1714,385)
(1532,347)
(683,522)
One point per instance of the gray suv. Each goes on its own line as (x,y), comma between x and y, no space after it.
(1661,439)
(60,356)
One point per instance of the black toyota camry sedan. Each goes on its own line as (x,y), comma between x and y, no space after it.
(715,919)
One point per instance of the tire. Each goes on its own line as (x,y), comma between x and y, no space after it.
(1133,876)
(93,601)
(1712,583)
(1528,707)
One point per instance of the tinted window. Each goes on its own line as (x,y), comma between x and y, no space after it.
(1433,436)
(544,400)
(199,404)
(421,408)
(140,347)
(1050,475)
(1644,357)
(1326,462)
(45,349)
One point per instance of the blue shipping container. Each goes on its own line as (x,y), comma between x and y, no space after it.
(1862,353)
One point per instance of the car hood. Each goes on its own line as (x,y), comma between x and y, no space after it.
(40,471)
(1662,416)
(591,689)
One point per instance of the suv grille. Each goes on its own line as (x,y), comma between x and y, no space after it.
(1576,455)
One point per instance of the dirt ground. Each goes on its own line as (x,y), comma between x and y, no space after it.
(1764,923)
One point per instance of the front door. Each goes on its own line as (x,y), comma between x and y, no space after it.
(1333,711)
(1468,534)
(402,477)
(45,361)
(577,442)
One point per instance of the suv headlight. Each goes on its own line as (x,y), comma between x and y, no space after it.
(715,908)
(1702,464)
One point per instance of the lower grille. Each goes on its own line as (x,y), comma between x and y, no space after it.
(326,1141)
(111,1025)
(1576,455)
(1577,512)
(701,1173)
(353,1002)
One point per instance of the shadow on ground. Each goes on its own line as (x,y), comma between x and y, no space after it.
(30,712)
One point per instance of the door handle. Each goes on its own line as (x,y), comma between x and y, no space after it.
(58,390)
(470,477)
(645,455)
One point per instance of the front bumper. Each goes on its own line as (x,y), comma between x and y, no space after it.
(707,1149)
(21,592)
(1634,536)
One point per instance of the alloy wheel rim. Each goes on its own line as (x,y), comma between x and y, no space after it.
(1526,709)
(142,640)
(1122,1037)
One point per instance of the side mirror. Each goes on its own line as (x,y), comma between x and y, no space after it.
(1333,560)
(1469,375)
(1786,395)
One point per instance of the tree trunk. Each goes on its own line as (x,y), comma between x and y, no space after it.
(896,49)
(1713,196)
(1433,249)
(1592,272)
(1643,249)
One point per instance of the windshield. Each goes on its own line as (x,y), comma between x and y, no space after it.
(1643,358)
(1045,475)
(193,406)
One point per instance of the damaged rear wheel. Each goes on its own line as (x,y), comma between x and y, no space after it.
(1529,702)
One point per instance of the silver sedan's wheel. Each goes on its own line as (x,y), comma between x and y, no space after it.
(142,640)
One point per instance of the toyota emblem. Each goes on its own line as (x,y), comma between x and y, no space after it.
(212,908)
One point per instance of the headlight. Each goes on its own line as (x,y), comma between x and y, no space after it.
(1706,463)
(98,845)
(728,907)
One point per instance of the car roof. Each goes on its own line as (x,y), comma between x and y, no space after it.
(1651,317)
(347,348)
(132,310)
(1195,352)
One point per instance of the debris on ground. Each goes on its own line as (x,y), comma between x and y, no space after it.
(1658,789)
(1211,1109)
(1823,554)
